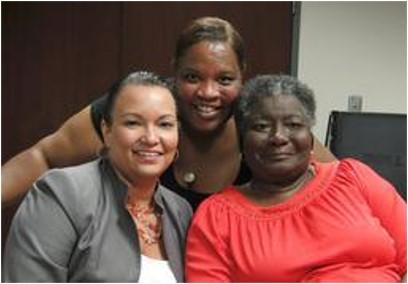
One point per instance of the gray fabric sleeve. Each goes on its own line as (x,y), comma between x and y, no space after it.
(40,241)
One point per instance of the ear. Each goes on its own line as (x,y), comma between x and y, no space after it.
(106,132)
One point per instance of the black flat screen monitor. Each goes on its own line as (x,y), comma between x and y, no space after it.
(377,139)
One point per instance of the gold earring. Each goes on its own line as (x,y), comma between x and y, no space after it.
(103,151)
(176,155)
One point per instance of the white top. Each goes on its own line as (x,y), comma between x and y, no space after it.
(155,271)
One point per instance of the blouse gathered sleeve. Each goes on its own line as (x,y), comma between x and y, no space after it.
(40,241)
(207,259)
(388,206)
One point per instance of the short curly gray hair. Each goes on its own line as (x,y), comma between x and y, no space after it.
(263,86)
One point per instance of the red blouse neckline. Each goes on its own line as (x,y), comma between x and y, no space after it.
(314,187)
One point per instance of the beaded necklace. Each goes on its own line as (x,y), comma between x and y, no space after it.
(148,222)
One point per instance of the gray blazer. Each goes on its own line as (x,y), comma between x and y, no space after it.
(73,227)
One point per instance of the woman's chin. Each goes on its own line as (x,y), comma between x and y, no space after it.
(205,127)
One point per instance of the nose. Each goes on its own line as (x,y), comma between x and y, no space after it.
(278,136)
(150,136)
(208,90)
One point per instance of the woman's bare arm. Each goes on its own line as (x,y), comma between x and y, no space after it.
(321,153)
(74,142)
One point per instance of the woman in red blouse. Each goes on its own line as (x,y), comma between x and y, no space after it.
(297,220)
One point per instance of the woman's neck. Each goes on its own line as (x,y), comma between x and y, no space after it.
(267,193)
(200,157)
(139,191)
(208,141)
(141,196)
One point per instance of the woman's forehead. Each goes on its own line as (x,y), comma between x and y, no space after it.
(139,97)
(276,105)
(206,53)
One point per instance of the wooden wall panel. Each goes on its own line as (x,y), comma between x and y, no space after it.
(58,57)
(265,26)
(55,59)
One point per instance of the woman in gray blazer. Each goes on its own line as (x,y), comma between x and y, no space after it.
(108,220)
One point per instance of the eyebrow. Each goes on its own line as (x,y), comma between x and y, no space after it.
(223,71)
(168,116)
(260,116)
(184,69)
(164,116)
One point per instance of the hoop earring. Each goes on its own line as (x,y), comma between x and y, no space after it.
(312,140)
(176,155)
(311,150)
(103,151)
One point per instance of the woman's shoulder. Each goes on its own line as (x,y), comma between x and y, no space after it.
(349,168)
(72,186)
(352,163)
(174,201)
(219,202)
(81,176)
(218,213)
(77,190)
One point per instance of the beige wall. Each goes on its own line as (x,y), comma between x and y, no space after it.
(354,48)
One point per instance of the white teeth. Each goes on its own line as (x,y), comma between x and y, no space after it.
(205,108)
(147,154)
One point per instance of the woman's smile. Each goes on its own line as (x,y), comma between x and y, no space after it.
(207,111)
(148,156)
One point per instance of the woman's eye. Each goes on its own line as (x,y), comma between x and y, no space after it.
(191,78)
(131,123)
(295,125)
(260,127)
(226,80)
(167,124)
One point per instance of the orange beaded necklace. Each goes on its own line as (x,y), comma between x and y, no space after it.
(148,222)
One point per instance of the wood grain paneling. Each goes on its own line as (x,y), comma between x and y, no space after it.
(58,57)
(55,59)
(265,26)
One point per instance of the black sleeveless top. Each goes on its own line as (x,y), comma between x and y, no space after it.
(193,197)
(167,179)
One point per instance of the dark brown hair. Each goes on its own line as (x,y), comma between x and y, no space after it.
(210,29)
(139,78)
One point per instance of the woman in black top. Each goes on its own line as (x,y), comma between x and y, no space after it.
(168,178)
(209,62)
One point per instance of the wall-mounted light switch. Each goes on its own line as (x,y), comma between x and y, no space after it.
(355,103)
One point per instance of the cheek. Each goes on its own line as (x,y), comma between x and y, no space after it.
(171,141)
(250,145)
(185,92)
(231,93)
(304,142)
(123,137)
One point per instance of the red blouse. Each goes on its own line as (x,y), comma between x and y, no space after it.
(346,225)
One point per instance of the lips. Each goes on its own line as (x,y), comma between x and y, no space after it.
(277,155)
(147,155)
(206,111)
